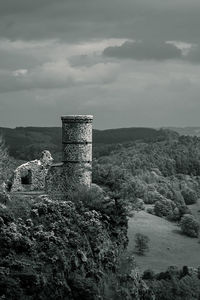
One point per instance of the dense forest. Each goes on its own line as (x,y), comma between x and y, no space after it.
(26,143)
(164,173)
(76,249)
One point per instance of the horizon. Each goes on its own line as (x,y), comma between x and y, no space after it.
(103,129)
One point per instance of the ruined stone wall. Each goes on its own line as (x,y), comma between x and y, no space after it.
(76,167)
(30,176)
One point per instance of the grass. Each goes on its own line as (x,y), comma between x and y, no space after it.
(167,245)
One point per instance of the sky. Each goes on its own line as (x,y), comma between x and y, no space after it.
(129,63)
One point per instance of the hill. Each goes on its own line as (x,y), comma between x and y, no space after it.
(191,131)
(27,142)
(167,245)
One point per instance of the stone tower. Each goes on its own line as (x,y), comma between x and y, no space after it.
(76,166)
(77,148)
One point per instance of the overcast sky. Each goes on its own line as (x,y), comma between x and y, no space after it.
(129,63)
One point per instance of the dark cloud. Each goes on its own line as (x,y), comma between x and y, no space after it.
(51,61)
(144,51)
(84,19)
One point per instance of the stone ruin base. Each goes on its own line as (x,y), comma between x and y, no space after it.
(63,177)
(31,175)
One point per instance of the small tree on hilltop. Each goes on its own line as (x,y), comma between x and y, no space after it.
(141,243)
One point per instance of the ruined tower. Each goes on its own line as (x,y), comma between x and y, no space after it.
(76,166)
(77,148)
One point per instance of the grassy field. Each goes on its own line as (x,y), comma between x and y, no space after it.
(167,245)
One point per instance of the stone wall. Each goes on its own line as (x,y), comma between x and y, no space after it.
(76,166)
(30,176)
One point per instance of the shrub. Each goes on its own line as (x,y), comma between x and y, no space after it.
(4,198)
(141,243)
(178,198)
(189,196)
(148,274)
(133,188)
(164,208)
(189,225)
(139,205)
(152,197)
(150,210)
(184,272)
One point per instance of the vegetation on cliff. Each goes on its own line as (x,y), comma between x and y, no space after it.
(59,250)
(65,249)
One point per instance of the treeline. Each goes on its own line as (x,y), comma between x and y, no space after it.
(174,284)
(164,174)
(26,143)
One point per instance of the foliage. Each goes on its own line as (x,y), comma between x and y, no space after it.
(7,164)
(4,158)
(141,243)
(152,197)
(129,284)
(190,196)
(189,225)
(148,274)
(174,284)
(164,208)
(59,249)
(161,173)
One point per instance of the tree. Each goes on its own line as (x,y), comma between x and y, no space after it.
(141,243)
(4,157)
(189,225)
(189,196)
(164,208)
(3,150)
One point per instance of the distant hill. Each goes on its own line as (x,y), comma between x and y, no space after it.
(191,131)
(27,142)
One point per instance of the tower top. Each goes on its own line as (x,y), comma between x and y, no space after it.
(77,118)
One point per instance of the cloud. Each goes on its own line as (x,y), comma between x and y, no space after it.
(76,20)
(51,61)
(56,74)
(147,50)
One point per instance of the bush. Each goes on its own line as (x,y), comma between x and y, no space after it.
(48,255)
(164,208)
(189,196)
(152,197)
(141,243)
(139,205)
(189,225)
(178,198)
(148,274)
(4,198)
(150,210)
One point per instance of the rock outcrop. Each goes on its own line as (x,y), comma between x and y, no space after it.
(30,176)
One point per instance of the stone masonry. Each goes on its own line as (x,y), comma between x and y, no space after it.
(30,176)
(76,166)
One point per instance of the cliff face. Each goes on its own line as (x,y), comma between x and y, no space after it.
(64,250)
